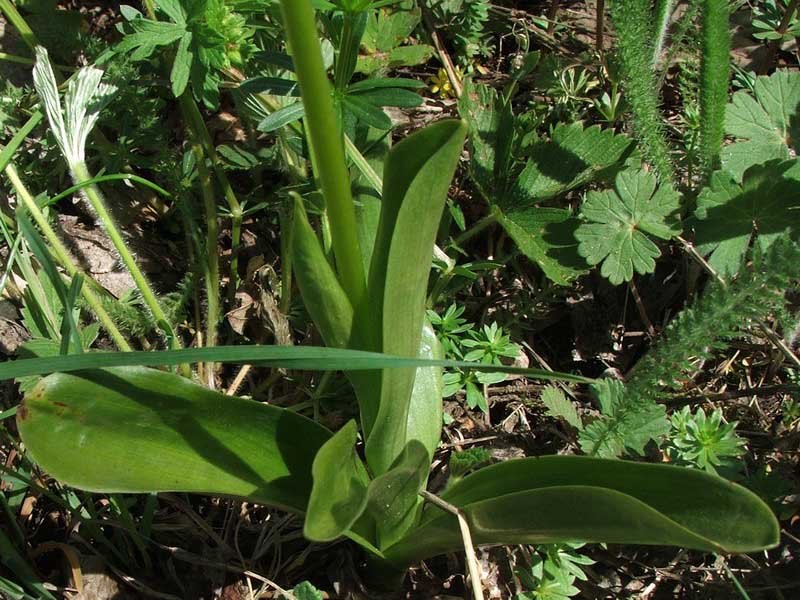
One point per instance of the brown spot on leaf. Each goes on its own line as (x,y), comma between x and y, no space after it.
(22,412)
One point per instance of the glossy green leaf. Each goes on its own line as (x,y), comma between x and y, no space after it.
(417,178)
(570,498)
(392,498)
(282,116)
(325,300)
(339,494)
(140,430)
(425,411)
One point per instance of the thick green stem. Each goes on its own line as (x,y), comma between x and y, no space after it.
(81,174)
(62,256)
(326,140)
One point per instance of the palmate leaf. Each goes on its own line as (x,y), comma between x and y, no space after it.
(625,422)
(618,221)
(729,213)
(765,124)
(573,157)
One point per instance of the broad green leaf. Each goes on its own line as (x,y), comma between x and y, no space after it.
(547,237)
(325,300)
(139,430)
(764,123)
(339,494)
(375,145)
(393,498)
(425,410)
(569,498)
(617,223)
(625,422)
(182,66)
(559,407)
(416,181)
(729,213)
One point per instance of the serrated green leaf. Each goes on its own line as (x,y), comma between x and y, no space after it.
(572,158)
(182,65)
(173,9)
(149,34)
(764,123)
(625,422)
(729,213)
(339,495)
(559,407)
(547,237)
(617,223)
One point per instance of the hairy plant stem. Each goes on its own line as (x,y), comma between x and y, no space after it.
(326,143)
(62,256)
(662,18)
(714,75)
(634,38)
(194,120)
(211,255)
(81,174)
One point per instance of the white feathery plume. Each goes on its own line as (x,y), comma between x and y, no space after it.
(85,98)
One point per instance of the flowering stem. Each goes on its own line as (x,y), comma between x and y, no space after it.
(326,143)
